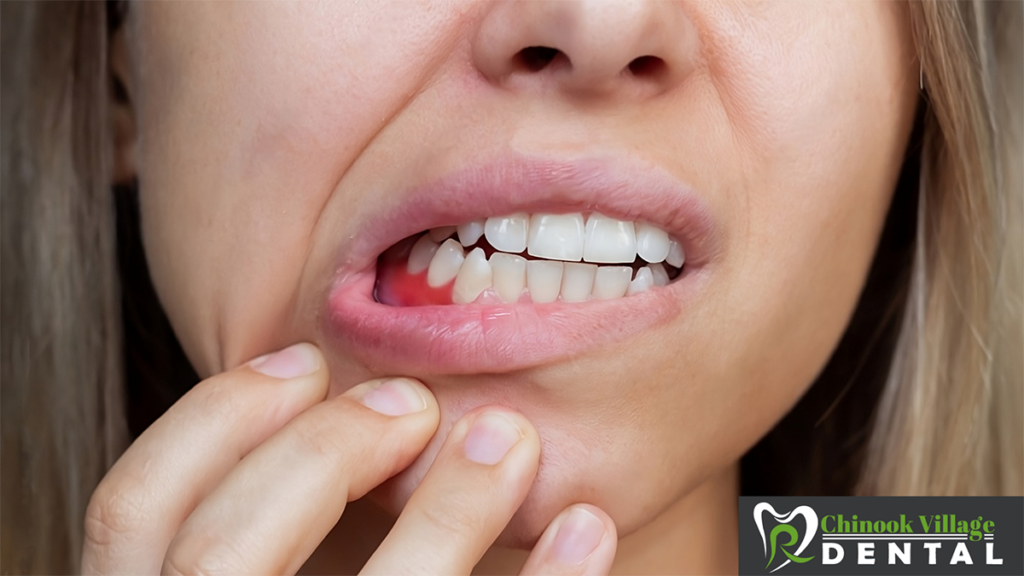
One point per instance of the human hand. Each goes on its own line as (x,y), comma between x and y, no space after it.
(249,471)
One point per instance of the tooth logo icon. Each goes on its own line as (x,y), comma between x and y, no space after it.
(785,530)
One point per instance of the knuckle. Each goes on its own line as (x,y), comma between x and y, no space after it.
(217,395)
(115,510)
(453,515)
(315,436)
(333,430)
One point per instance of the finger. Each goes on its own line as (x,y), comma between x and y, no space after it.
(278,504)
(478,480)
(137,508)
(580,541)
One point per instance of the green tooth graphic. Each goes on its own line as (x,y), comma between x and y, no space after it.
(785,528)
(789,530)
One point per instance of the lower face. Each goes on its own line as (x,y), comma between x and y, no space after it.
(652,278)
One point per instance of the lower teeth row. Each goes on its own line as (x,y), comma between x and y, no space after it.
(509,276)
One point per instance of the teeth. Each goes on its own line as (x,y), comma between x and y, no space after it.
(675,254)
(577,281)
(556,236)
(611,281)
(446,263)
(474,277)
(609,241)
(652,243)
(643,282)
(508,233)
(421,255)
(659,274)
(470,232)
(509,273)
(544,279)
(441,234)
(561,241)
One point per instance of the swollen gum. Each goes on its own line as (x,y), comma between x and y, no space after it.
(397,287)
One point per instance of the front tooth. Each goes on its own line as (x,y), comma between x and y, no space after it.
(659,274)
(675,254)
(652,243)
(474,277)
(441,234)
(421,254)
(508,233)
(509,273)
(445,264)
(642,283)
(556,236)
(609,241)
(470,232)
(544,279)
(612,281)
(577,281)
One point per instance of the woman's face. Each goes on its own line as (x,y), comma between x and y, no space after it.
(282,147)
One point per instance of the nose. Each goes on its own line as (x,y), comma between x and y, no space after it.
(586,48)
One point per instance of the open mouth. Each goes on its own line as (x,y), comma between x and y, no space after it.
(528,258)
(462,276)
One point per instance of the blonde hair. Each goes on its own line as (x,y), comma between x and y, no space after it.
(948,420)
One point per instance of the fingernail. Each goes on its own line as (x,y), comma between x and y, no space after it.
(292,362)
(490,437)
(577,537)
(395,397)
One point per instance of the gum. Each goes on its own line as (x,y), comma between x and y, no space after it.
(396,287)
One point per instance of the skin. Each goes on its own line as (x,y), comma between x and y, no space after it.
(263,133)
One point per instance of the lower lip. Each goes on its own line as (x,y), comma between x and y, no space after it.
(473,339)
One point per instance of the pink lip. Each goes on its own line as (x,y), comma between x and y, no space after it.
(454,339)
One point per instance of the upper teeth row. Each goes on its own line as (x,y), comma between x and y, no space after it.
(570,237)
(510,276)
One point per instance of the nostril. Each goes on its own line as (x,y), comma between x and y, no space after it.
(648,66)
(536,58)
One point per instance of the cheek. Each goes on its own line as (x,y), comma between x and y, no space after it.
(244,136)
(819,107)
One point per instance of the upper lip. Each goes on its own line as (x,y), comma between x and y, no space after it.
(499,338)
(613,186)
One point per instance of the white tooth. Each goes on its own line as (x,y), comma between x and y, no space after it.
(675,254)
(508,233)
(643,282)
(445,264)
(470,232)
(659,274)
(556,236)
(544,279)
(441,234)
(652,243)
(609,241)
(509,275)
(474,277)
(577,281)
(421,254)
(612,281)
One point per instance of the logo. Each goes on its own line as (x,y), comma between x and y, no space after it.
(895,535)
(785,529)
